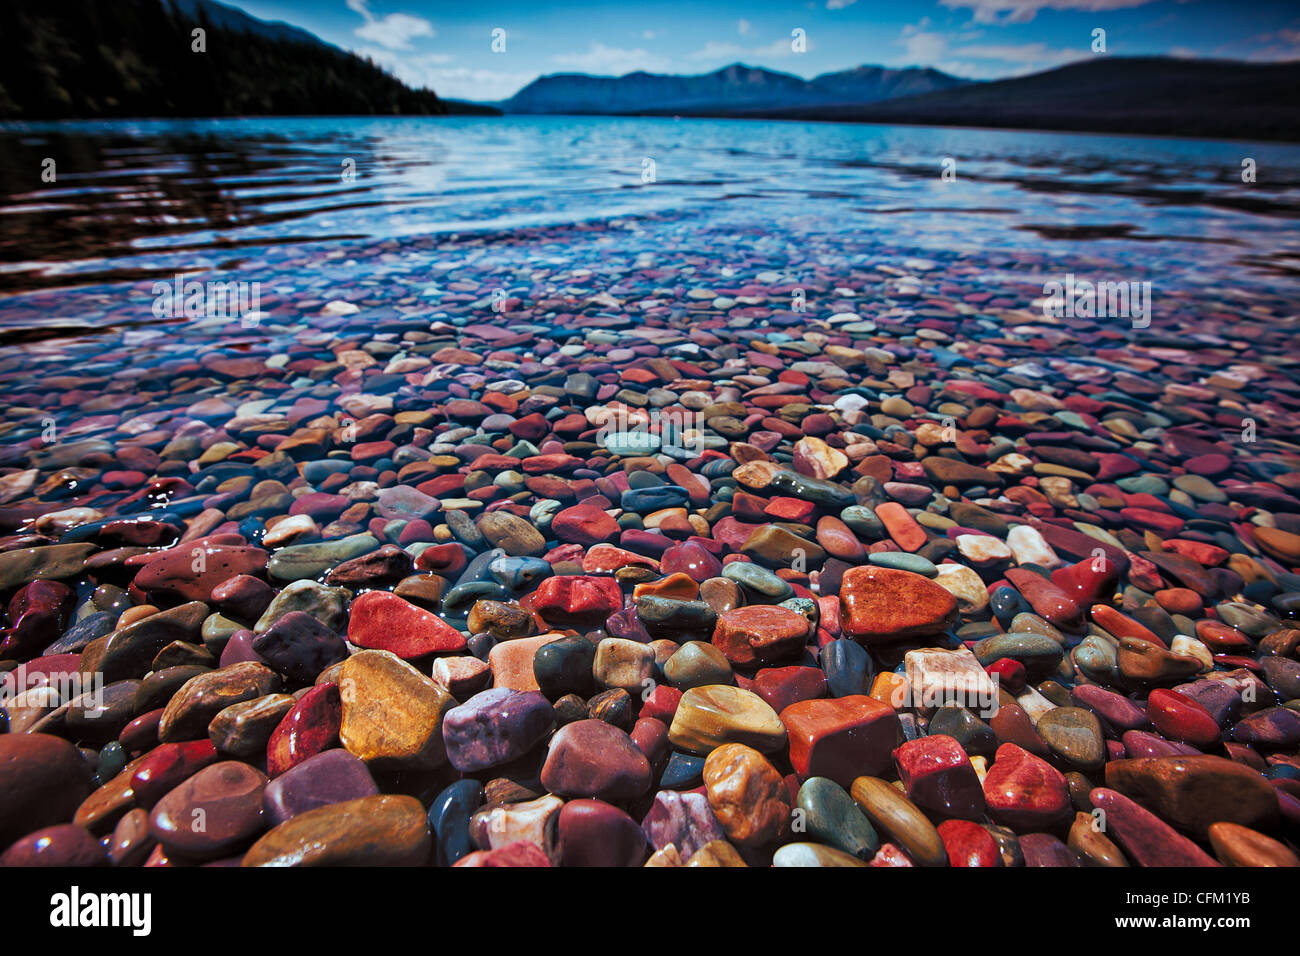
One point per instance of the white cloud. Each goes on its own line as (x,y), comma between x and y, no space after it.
(393,31)
(977,60)
(648,35)
(1022,11)
(744,27)
(463,83)
(839,4)
(600,58)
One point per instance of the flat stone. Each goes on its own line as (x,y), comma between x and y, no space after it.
(392,714)
(1193,792)
(841,738)
(383,830)
(190,711)
(213,813)
(883,604)
(708,717)
(892,814)
(383,621)
(761,634)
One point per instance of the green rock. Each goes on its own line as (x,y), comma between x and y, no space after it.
(830,816)
(696,664)
(975,736)
(309,561)
(1074,735)
(326,604)
(49,563)
(903,561)
(758,581)
(1038,652)
(817,490)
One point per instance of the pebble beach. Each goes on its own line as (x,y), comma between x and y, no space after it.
(661,539)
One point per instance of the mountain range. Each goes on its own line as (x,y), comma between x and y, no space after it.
(96,58)
(733,89)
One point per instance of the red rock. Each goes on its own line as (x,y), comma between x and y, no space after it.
(839,540)
(166,767)
(1009,673)
(1025,792)
(519,853)
(1146,519)
(1178,717)
(585,525)
(902,527)
(760,634)
(38,612)
(1049,601)
(1144,837)
(1089,581)
(692,559)
(65,844)
(449,560)
(606,559)
(1202,552)
(310,727)
(884,604)
(937,775)
(662,703)
(43,779)
(969,844)
(890,854)
(1220,638)
(783,686)
(189,573)
(1179,601)
(841,738)
(1121,626)
(380,620)
(590,758)
(594,833)
(574,600)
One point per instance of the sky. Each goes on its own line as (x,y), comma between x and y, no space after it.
(489,49)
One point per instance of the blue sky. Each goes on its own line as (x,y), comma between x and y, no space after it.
(447,46)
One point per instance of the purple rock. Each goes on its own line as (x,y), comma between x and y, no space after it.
(1139,743)
(627,625)
(1117,711)
(1276,727)
(329,777)
(239,650)
(1043,849)
(495,727)
(692,559)
(683,819)
(1219,697)
(298,646)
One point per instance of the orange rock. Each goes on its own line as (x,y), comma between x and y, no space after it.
(885,604)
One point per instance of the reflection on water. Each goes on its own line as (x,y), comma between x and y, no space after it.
(135,200)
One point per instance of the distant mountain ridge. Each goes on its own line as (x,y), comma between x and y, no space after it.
(733,90)
(1161,96)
